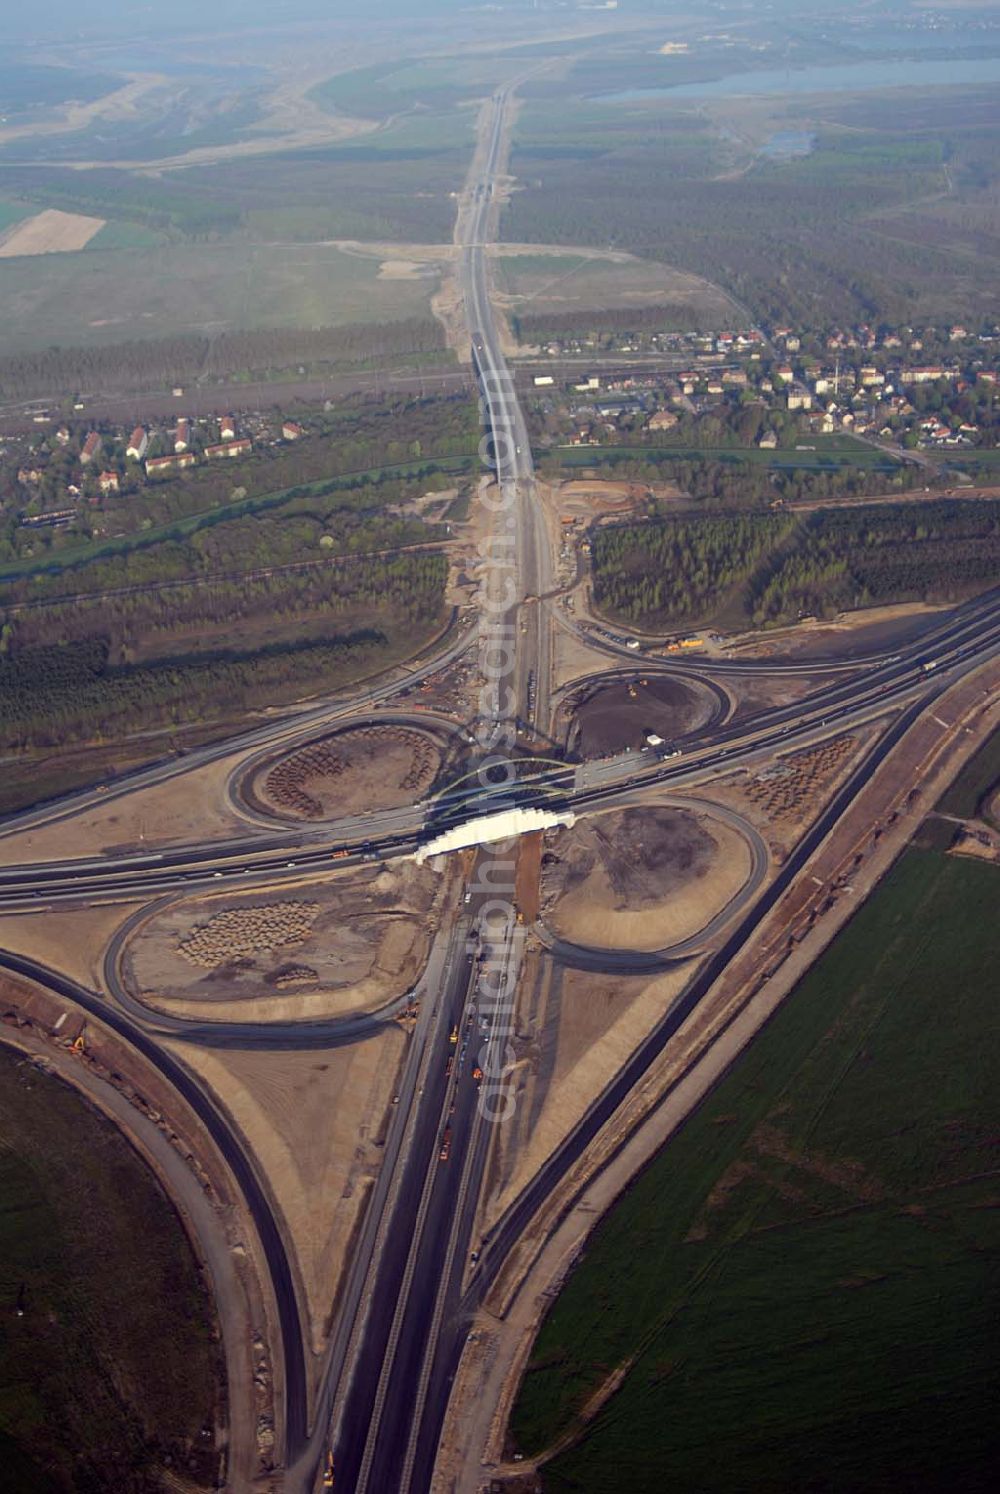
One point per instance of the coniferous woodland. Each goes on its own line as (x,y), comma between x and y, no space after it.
(768,569)
(162,362)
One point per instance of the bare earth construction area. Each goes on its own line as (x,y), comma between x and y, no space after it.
(373,767)
(321,949)
(641,878)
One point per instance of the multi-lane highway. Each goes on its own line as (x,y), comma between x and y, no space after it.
(407,1300)
(966,637)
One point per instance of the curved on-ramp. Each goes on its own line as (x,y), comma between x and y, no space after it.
(265,1216)
(635,961)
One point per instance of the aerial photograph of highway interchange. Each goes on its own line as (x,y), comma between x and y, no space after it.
(499,746)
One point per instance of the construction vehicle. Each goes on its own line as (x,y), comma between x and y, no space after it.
(78,1045)
(445,1151)
(328,1472)
(454,1036)
(339,855)
(477,1074)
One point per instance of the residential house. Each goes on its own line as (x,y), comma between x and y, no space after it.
(138,444)
(227,428)
(768,441)
(230,448)
(663,420)
(91,448)
(292,431)
(108,482)
(155,466)
(182,435)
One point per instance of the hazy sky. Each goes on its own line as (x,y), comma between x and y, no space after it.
(47,21)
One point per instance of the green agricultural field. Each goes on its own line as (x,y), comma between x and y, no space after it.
(806,1277)
(973,789)
(113,1365)
(176,289)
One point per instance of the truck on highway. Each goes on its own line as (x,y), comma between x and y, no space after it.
(928,665)
(445,1151)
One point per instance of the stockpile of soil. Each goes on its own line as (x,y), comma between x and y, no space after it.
(641,878)
(618,716)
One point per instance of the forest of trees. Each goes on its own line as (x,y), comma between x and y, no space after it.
(163,362)
(794,242)
(776,568)
(939,551)
(679,568)
(54,695)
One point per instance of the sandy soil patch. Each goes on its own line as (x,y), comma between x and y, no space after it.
(50,232)
(180,811)
(72,940)
(640,878)
(849,634)
(767,691)
(584,498)
(580,279)
(619,716)
(315,949)
(582,1030)
(370,767)
(404,269)
(314,1122)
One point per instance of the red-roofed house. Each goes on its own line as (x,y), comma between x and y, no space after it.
(137,444)
(230,448)
(91,448)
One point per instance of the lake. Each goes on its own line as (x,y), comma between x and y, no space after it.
(903,72)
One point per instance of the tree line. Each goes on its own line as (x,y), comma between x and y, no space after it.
(165,361)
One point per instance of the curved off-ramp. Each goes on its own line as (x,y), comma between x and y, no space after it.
(635,961)
(724,703)
(238,786)
(320,1032)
